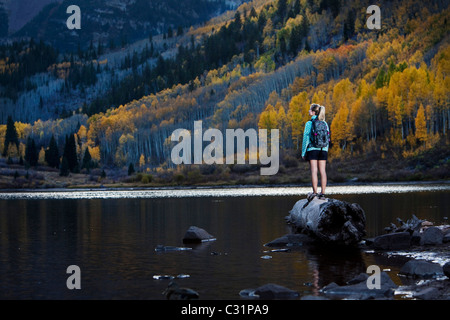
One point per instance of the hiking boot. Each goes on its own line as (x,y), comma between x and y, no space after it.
(311,196)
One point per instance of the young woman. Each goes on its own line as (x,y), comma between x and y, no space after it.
(317,157)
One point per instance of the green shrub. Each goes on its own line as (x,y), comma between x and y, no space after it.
(146,178)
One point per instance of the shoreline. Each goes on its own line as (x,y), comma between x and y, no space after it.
(132,187)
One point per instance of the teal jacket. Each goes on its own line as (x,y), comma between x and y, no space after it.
(307,138)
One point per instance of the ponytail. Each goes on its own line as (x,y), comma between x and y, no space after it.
(321,116)
(319,111)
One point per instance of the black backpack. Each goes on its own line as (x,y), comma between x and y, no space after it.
(320,135)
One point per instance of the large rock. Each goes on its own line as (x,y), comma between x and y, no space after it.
(432,236)
(358,288)
(446,269)
(311,297)
(421,269)
(330,221)
(446,238)
(390,241)
(290,240)
(429,293)
(197,235)
(272,291)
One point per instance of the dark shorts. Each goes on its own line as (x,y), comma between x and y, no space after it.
(316,155)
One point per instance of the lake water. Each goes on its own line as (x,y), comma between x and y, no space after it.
(112,236)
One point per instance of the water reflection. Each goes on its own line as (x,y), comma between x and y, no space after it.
(113,239)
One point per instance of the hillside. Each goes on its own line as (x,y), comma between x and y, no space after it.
(119,21)
(20,12)
(97,63)
(386,92)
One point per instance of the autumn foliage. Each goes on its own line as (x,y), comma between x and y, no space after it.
(385,92)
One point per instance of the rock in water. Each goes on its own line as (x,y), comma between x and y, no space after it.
(197,235)
(390,241)
(270,291)
(273,291)
(432,236)
(174,292)
(358,288)
(421,269)
(290,240)
(162,248)
(446,269)
(330,221)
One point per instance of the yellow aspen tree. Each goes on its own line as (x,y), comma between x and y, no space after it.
(41,159)
(268,118)
(23,129)
(2,136)
(428,116)
(421,125)
(298,116)
(282,125)
(22,148)
(232,124)
(359,118)
(12,151)
(321,98)
(341,127)
(95,153)
(82,134)
(343,91)
(142,161)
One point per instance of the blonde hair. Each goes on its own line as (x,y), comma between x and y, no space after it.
(319,111)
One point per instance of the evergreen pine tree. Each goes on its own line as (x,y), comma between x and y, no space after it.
(64,168)
(180,31)
(130,169)
(380,81)
(52,154)
(295,40)
(87,160)
(297,7)
(283,48)
(349,26)
(70,153)
(11,135)
(281,9)
(31,153)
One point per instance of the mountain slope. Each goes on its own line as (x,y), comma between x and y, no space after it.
(239,94)
(384,90)
(20,12)
(119,21)
(101,61)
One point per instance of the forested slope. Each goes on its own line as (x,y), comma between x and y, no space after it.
(386,91)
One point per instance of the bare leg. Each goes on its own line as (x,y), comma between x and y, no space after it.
(323,174)
(314,178)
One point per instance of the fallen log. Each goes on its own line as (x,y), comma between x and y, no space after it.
(330,221)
